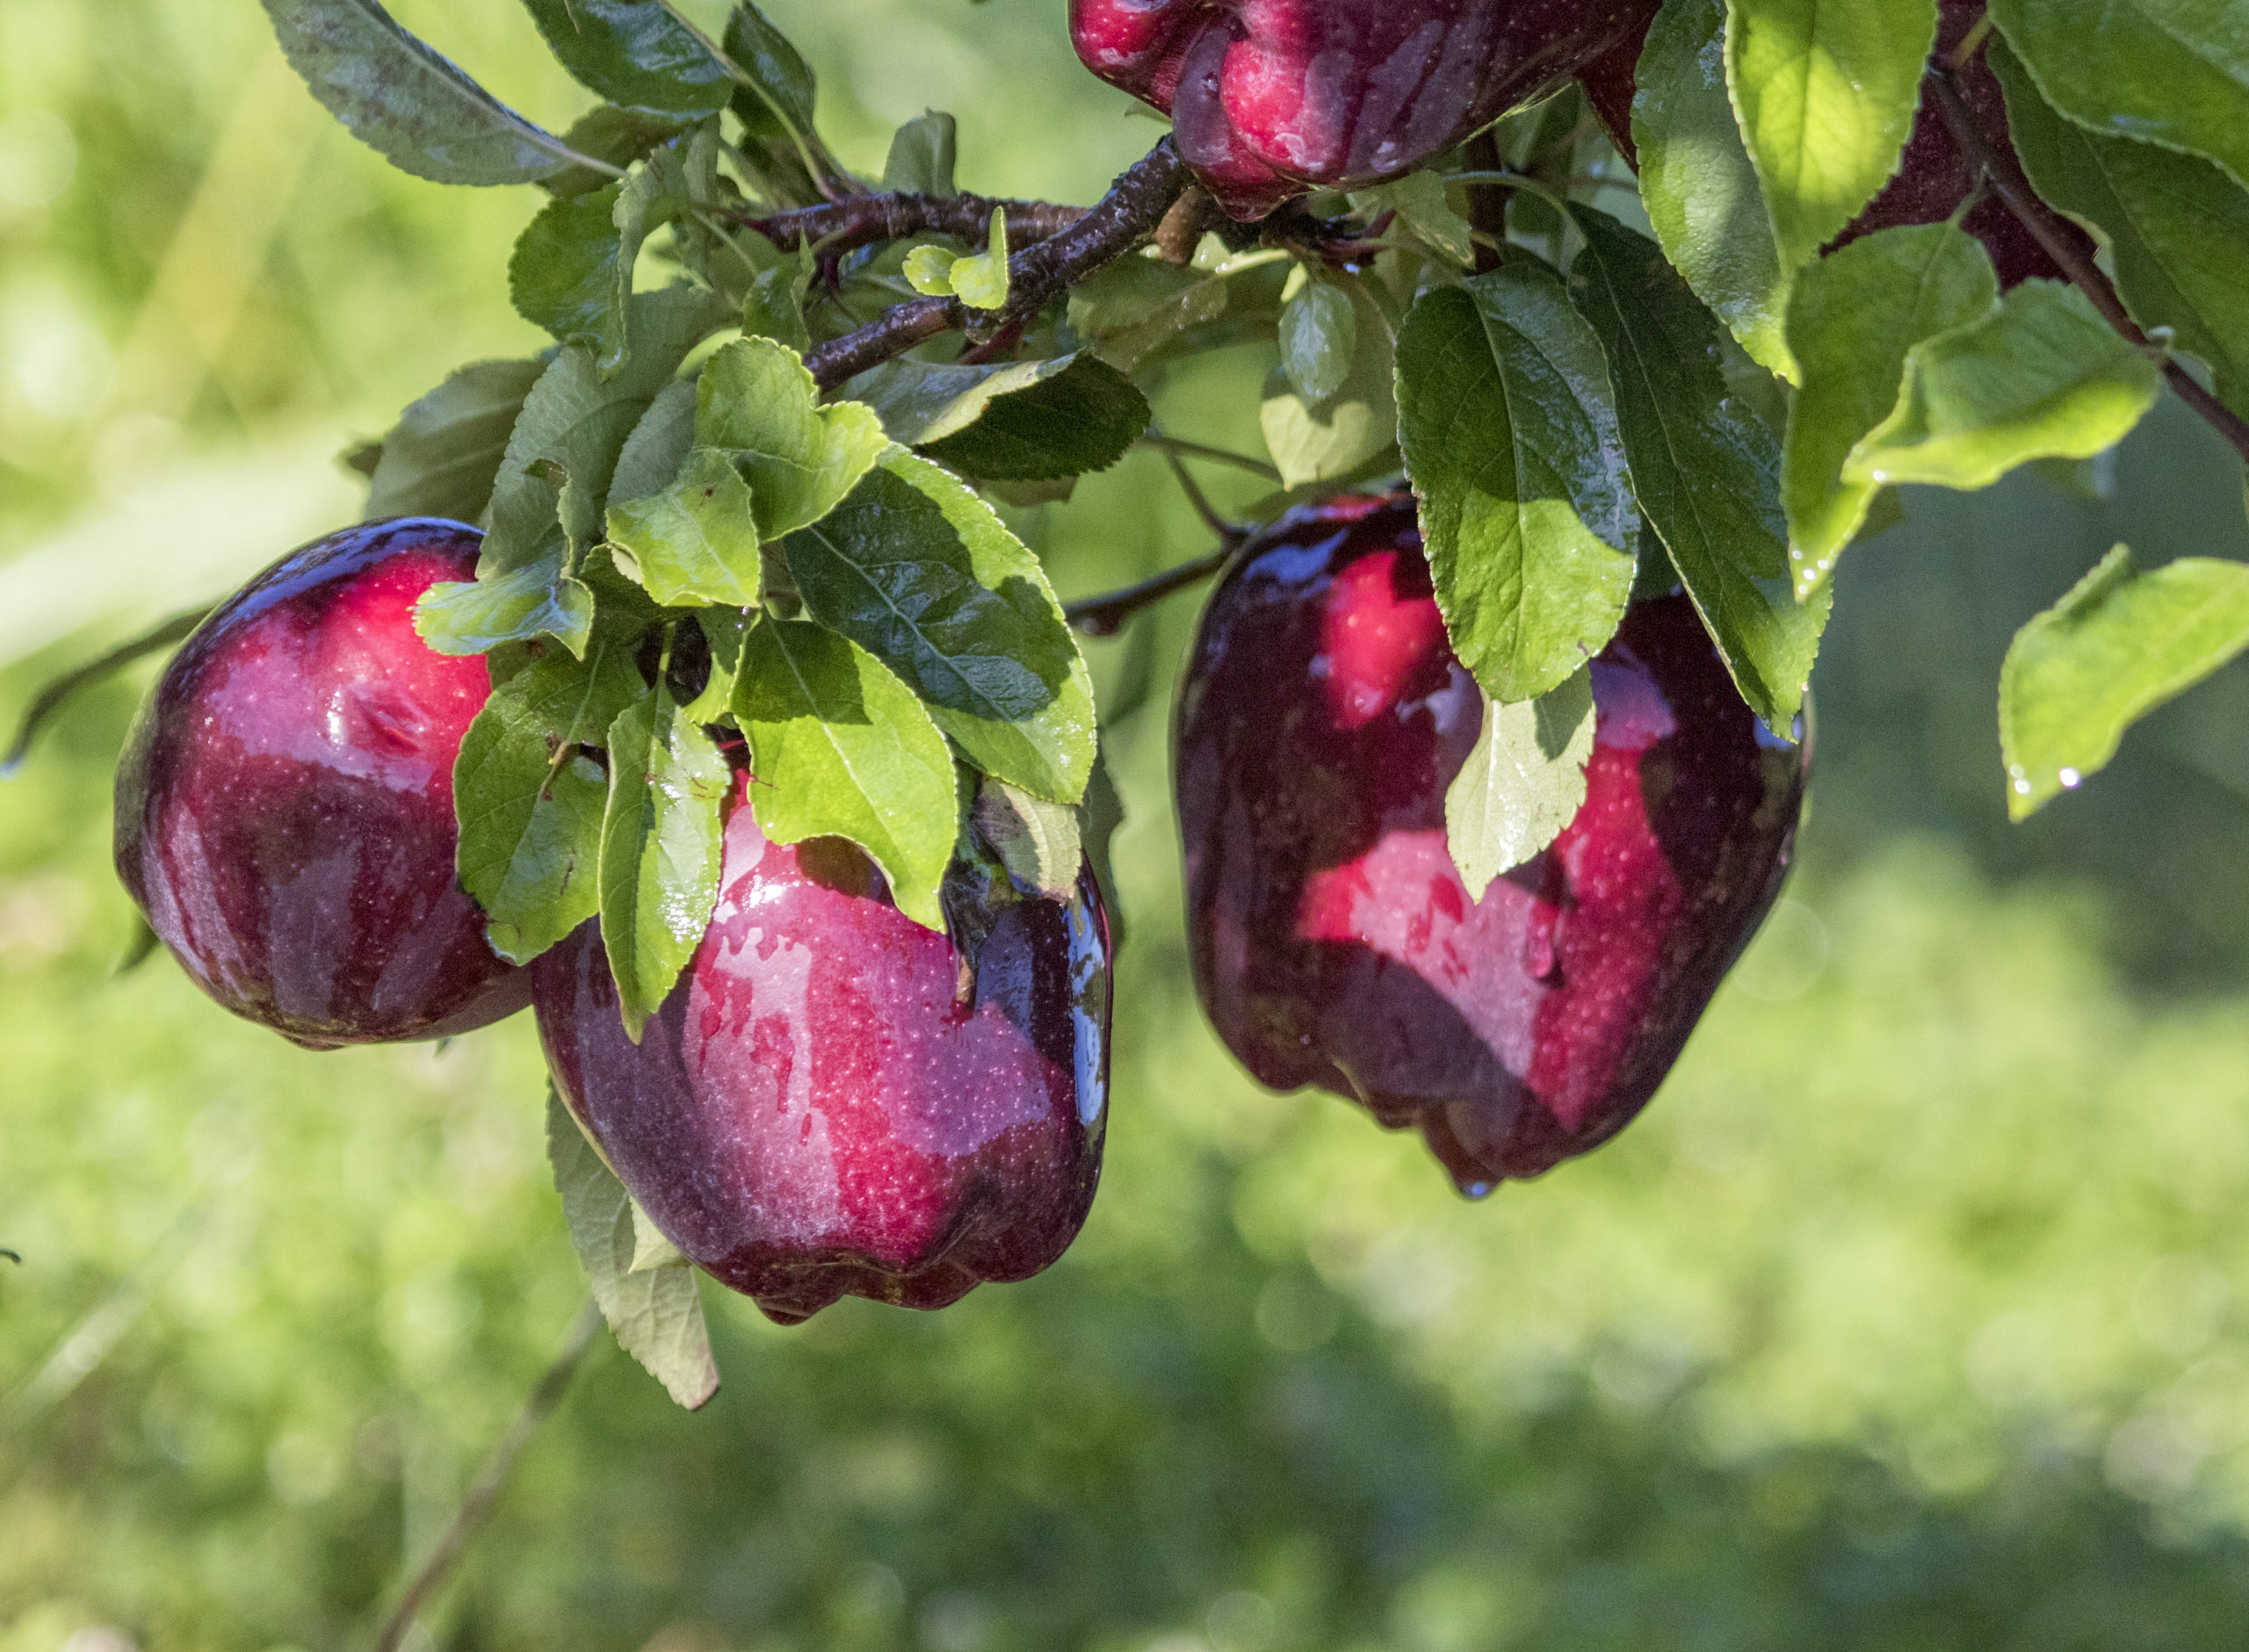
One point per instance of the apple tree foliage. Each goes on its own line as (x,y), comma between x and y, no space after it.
(742,505)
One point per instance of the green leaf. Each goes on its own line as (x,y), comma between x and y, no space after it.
(1039,842)
(656,1313)
(928,269)
(2118,646)
(403,100)
(723,628)
(1319,335)
(921,156)
(1699,187)
(697,541)
(530,804)
(1826,94)
(2176,225)
(840,747)
(779,106)
(2044,377)
(1509,425)
(980,279)
(2172,72)
(635,54)
(1523,781)
(659,841)
(775,306)
(441,459)
(1418,199)
(756,400)
(1312,442)
(564,276)
(1851,319)
(653,455)
(1135,309)
(1099,816)
(579,420)
(1705,469)
(476,616)
(917,570)
(1028,421)
(615,137)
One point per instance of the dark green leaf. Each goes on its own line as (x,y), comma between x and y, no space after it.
(2118,646)
(1313,442)
(441,459)
(655,1313)
(697,541)
(616,137)
(52,698)
(1319,335)
(779,106)
(1523,781)
(1137,307)
(1705,470)
(1099,816)
(921,156)
(756,402)
(1826,94)
(659,841)
(775,306)
(564,276)
(635,54)
(1508,424)
(1698,184)
(840,747)
(404,100)
(653,454)
(1029,421)
(1851,319)
(2044,377)
(2176,225)
(1418,199)
(2172,72)
(724,629)
(916,569)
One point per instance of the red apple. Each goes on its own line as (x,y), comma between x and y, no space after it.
(1271,98)
(1933,179)
(1333,942)
(836,1100)
(285,806)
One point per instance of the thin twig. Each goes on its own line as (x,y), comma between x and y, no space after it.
(1126,217)
(1105,616)
(1228,532)
(51,698)
(1216,455)
(476,1508)
(2014,191)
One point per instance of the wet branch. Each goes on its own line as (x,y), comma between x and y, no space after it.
(2008,182)
(869,221)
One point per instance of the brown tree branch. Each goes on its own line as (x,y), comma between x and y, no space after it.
(1105,616)
(1126,217)
(2008,181)
(476,1508)
(867,221)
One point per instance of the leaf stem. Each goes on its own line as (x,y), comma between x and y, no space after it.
(1216,455)
(1125,217)
(1105,616)
(2008,183)
(476,1508)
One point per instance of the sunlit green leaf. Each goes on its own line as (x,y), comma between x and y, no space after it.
(840,747)
(697,541)
(1523,781)
(756,400)
(1319,335)
(1509,425)
(536,599)
(2118,646)
(1312,442)
(1039,842)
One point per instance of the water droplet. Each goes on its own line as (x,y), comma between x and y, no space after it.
(2070,778)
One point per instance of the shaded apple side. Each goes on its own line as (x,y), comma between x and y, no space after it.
(1332,939)
(837,1101)
(285,803)
(1934,177)
(1271,98)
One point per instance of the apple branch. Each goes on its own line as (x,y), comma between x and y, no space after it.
(867,221)
(2008,183)
(476,1508)
(1125,217)
(1105,616)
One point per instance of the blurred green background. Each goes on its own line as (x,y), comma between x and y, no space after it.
(1915,1314)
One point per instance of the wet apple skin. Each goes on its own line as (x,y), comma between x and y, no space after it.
(1332,939)
(285,805)
(817,1111)
(1271,98)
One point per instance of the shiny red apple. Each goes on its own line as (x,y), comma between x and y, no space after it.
(1934,178)
(285,806)
(837,1101)
(1271,98)
(1333,942)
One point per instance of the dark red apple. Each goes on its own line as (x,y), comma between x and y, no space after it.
(1271,98)
(285,806)
(1333,942)
(1933,179)
(836,1100)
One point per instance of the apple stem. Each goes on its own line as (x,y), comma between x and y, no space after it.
(476,1508)
(1124,219)
(2008,182)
